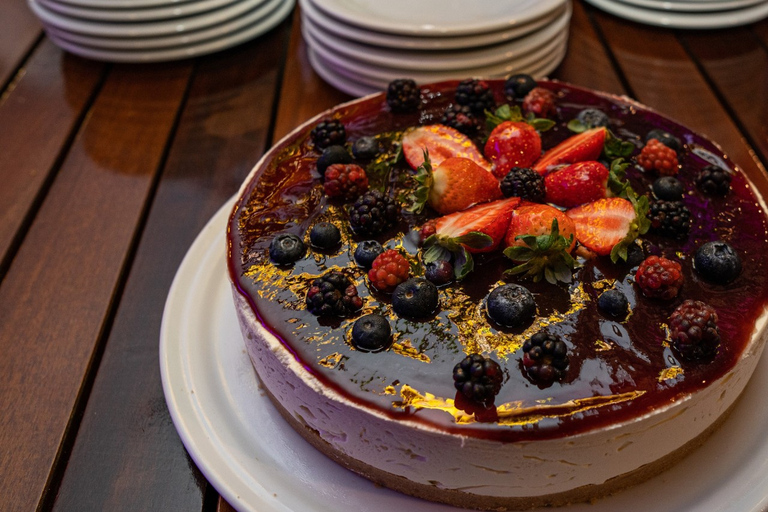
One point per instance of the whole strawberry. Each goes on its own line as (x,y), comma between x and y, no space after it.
(512,144)
(576,184)
(454,185)
(345,181)
(440,142)
(587,145)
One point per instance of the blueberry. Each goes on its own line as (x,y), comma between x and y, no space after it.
(717,262)
(371,333)
(665,138)
(365,148)
(366,251)
(519,85)
(511,305)
(286,248)
(439,272)
(668,188)
(635,255)
(332,155)
(324,235)
(613,303)
(415,298)
(593,117)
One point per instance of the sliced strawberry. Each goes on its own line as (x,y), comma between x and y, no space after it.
(512,144)
(454,185)
(441,142)
(536,219)
(587,145)
(576,184)
(609,225)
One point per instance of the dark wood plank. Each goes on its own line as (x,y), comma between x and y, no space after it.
(19,29)
(59,289)
(36,121)
(223,506)
(129,457)
(662,75)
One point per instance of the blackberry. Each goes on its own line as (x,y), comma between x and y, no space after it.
(714,181)
(330,132)
(333,294)
(366,148)
(693,330)
(665,138)
(286,248)
(461,118)
(659,277)
(593,117)
(518,86)
(403,95)
(372,213)
(324,235)
(332,155)
(439,272)
(371,333)
(525,183)
(511,305)
(476,94)
(415,298)
(478,378)
(366,252)
(545,358)
(613,303)
(670,218)
(717,262)
(668,188)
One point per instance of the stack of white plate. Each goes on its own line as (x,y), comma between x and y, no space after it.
(359,46)
(695,14)
(156,30)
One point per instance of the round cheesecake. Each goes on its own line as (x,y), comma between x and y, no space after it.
(628,404)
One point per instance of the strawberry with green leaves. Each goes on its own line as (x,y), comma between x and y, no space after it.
(514,141)
(584,182)
(540,239)
(454,185)
(441,142)
(455,237)
(608,226)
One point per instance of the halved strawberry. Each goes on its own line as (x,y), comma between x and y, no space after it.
(455,236)
(540,238)
(587,145)
(441,142)
(609,225)
(576,184)
(454,185)
(512,144)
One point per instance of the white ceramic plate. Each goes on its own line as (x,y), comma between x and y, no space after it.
(350,32)
(124,4)
(688,6)
(182,52)
(435,61)
(153,29)
(259,464)
(151,44)
(437,17)
(169,11)
(720,19)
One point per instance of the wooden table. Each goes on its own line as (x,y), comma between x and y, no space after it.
(109,171)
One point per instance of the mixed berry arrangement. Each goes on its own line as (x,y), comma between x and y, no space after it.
(512,208)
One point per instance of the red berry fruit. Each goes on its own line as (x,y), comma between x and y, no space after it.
(389,269)
(655,156)
(540,102)
(659,277)
(512,144)
(693,330)
(345,181)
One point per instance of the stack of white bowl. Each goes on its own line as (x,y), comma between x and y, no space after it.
(156,30)
(694,14)
(359,46)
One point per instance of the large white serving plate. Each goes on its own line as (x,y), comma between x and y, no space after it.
(382,39)
(709,20)
(144,14)
(259,464)
(688,6)
(437,17)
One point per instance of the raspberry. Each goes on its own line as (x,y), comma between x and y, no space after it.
(655,156)
(333,294)
(372,213)
(540,102)
(345,181)
(462,118)
(525,183)
(545,358)
(403,95)
(476,95)
(389,269)
(478,378)
(714,181)
(670,218)
(328,133)
(693,329)
(659,277)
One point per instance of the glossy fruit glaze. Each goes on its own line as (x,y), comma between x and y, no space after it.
(618,369)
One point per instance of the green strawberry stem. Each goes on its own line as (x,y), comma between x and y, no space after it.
(543,256)
(507,113)
(454,249)
(423,178)
(639,226)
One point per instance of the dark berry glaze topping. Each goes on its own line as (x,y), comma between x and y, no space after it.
(618,368)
